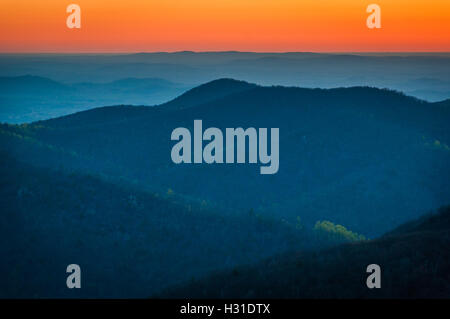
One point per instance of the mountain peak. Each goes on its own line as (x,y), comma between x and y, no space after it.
(207,92)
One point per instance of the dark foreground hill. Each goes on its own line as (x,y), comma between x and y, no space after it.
(414,261)
(128,243)
(362,157)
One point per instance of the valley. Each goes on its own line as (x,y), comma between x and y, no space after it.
(99,188)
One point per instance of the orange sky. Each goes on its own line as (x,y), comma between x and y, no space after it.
(213,25)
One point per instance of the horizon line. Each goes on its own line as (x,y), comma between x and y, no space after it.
(216,51)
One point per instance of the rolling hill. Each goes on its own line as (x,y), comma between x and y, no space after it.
(414,261)
(98,188)
(128,242)
(362,157)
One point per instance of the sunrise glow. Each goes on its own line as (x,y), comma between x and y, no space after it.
(245,25)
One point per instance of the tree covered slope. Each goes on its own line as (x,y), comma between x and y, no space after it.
(128,242)
(362,157)
(414,261)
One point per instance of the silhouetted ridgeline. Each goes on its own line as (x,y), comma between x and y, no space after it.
(99,188)
(208,92)
(365,158)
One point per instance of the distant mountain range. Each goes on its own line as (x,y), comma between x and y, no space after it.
(30,98)
(365,158)
(98,187)
(41,86)
(424,75)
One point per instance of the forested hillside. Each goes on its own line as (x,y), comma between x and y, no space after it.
(128,243)
(414,261)
(98,188)
(362,157)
